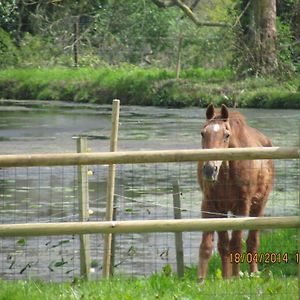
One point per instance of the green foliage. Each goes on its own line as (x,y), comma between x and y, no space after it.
(37,51)
(139,86)
(139,33)
(115,32)
(9,55)
(285,49)
(273,98)
(211,75)
(9,15)
(133,29)
(22,242)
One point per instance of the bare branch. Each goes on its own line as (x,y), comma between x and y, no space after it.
(187,11)
(163,4)
(195,3)
(243,12)
(194,18)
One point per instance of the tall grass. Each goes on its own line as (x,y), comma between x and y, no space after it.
(139,86)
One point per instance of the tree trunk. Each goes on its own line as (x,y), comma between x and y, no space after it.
(76,42)
(259,36)
(265,30)
(178,61)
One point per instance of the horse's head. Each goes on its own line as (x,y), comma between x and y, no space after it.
(215,134)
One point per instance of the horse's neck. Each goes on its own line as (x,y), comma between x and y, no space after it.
(240,137)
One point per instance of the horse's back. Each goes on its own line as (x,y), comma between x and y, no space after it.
(257,138)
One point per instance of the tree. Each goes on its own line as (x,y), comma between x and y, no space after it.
(185,34)
(257,38)
(258,28)
(205,33)
(188,11)
(8,52)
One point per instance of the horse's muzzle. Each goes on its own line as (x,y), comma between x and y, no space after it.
(210,171)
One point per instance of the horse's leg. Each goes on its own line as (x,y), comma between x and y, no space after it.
(257,210)
(223,247)
(205,252)
(242,209)
(252,247)
(236,248)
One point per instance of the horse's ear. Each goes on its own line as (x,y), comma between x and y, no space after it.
(210,111)
(224,112)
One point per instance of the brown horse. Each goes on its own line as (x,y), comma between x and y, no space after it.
(239,187)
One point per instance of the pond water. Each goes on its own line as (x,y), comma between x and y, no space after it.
(50,194)
(39,127)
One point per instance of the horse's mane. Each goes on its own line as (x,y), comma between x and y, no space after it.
(235,118)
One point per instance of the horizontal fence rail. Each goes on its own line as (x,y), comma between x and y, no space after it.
(134,157)
(148,226)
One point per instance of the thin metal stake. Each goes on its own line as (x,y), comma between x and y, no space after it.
(299,215)
(178,235)
(83,191)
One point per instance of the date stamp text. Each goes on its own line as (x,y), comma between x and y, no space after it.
(264,257)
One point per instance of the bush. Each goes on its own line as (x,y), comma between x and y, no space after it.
(9,55)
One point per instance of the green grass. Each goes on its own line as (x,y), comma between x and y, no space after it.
(274,281)
(157,286)
(138,86)
(277,242)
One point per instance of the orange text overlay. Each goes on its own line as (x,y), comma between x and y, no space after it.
(264,257)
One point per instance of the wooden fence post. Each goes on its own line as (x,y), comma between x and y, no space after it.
(111,188)
(178,235)
(83,193)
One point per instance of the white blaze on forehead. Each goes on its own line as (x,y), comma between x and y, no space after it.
(215,127)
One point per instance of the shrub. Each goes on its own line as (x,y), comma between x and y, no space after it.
(9,55)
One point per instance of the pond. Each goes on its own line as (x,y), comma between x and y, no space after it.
(50,194)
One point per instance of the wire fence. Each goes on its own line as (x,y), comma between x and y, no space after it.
(143,192)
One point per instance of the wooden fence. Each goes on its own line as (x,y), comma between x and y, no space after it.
(134,157)
(147,226)
(143,226)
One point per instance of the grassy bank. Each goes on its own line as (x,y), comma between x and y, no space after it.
(137,86)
